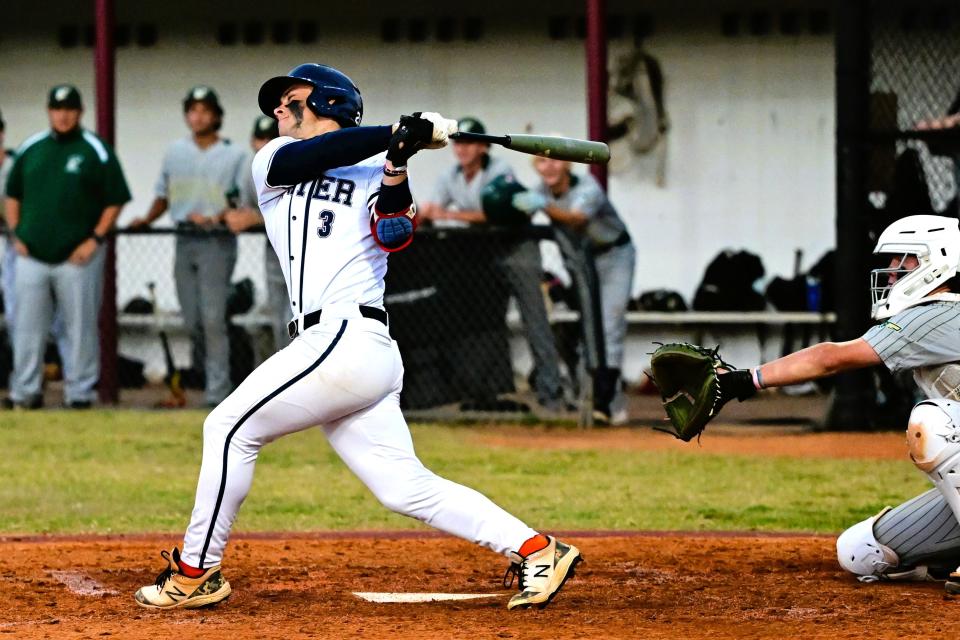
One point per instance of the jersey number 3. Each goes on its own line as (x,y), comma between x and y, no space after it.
(326,223)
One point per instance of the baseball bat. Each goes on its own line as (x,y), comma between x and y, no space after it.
(572,149)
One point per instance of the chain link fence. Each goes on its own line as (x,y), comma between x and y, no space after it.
(914,71)
(477,313)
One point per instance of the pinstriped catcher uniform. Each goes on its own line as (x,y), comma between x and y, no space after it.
(924,339)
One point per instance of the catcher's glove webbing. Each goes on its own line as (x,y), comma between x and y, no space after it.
(692,388)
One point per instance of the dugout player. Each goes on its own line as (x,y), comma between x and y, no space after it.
(200,174)
(334,206)
(247,216)
(578,207)
(457,202)
(917,301)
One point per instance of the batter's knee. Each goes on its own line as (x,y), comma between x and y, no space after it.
(407,491)
(859,552)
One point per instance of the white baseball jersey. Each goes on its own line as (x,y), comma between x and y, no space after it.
(321,232)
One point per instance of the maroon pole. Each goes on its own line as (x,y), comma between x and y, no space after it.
(104,72)
(596,46)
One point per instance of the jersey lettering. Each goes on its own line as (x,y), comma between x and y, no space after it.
(343,193)
(344,188)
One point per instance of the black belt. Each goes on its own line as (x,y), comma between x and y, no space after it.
(313,318)
(619,242)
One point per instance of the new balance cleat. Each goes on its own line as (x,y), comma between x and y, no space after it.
(952,584)
(542,574)
(175,590)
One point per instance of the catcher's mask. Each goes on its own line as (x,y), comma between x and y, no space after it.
(934,244)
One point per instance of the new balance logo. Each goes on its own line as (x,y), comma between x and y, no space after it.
(541,571)
(174,596)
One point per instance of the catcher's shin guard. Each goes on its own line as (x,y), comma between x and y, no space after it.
(859,552)
(933,437)
(543,573)
(174,590)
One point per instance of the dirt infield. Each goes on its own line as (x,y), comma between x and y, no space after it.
(638,586)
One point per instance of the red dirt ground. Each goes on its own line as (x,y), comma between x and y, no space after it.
(646,586)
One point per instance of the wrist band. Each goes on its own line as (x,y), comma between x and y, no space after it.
(396,172)
(757,378)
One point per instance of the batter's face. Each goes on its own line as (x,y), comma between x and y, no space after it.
(553,172)
(64,120)
(201,119)
(469,153)
(294,117)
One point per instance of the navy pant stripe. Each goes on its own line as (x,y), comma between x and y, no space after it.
(244,418)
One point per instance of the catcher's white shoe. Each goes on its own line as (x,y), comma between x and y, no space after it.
(542,573)
(173,589)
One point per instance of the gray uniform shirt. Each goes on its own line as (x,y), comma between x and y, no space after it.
(585,195)
(195,180)
(925,339)
(453,191)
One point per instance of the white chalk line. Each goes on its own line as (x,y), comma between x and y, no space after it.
(407,598)
(82,584)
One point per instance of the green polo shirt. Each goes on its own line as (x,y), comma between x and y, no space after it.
(63,184)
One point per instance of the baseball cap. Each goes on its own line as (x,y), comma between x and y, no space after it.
(265,128)
(203,93)
(64,96)
(469,124)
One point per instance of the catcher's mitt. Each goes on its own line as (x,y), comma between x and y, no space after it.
(692,387)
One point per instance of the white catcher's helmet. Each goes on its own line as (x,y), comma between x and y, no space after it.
(934,241)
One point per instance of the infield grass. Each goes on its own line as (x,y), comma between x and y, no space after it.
(131,471)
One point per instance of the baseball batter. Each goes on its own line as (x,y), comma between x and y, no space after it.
(917,300)
(334,206)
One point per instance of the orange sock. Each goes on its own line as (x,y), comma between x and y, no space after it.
(190,572)
(532,545)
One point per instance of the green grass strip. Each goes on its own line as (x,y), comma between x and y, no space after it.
(129,471)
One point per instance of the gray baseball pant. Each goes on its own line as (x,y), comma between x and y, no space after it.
(523,269)
(74,293)
(202,271)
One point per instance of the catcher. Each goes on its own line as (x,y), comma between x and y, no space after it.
(916,300)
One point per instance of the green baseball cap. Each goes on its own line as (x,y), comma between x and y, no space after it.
(265,128)
(469,124)
(64,96)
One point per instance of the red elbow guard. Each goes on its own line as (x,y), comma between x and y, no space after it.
(393,231)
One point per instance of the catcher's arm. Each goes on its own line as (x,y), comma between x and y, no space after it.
(818,361)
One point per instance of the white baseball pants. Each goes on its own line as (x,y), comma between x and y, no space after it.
(344,374)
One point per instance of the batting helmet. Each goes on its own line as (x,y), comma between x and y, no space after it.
(496,199)
(334,95)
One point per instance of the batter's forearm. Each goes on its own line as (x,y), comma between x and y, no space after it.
(304,160)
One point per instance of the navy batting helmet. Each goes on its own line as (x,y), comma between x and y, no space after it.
(334,95)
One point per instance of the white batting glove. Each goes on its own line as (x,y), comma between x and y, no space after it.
(442,128)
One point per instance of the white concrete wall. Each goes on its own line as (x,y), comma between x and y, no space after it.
(750,158)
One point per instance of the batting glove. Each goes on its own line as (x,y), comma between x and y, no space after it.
(442,128)
(412,134)
(529,201)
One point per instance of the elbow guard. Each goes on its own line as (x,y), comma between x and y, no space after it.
(393,231)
